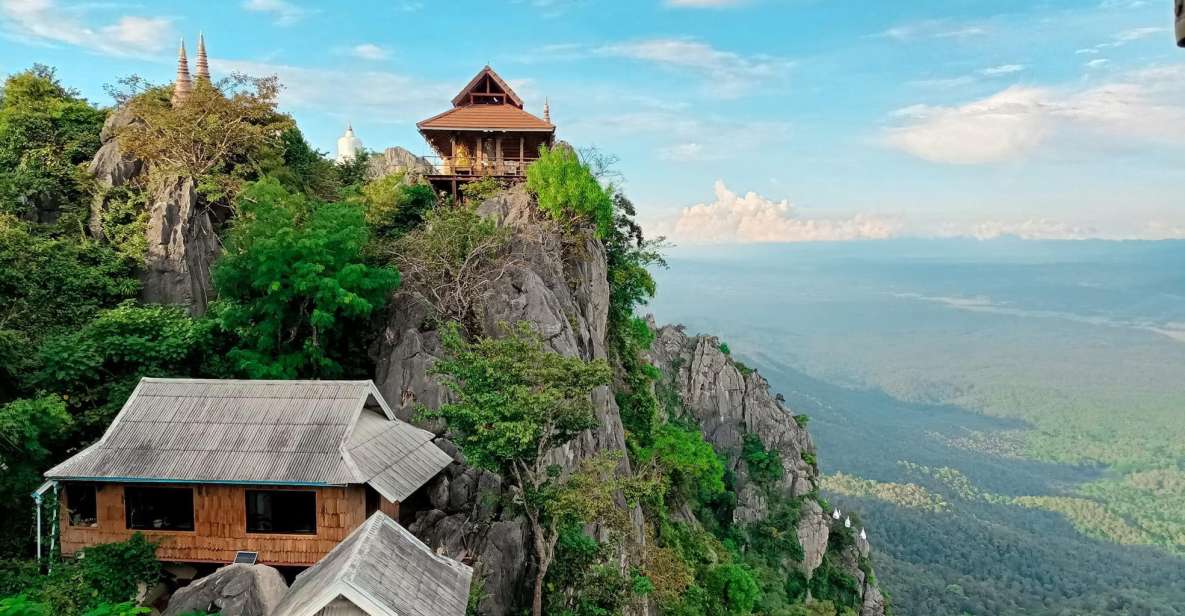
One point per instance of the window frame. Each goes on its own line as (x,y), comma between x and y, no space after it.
(247,499)
(68,502)
(127,510)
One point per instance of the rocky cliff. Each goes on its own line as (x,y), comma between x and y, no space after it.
(559,284)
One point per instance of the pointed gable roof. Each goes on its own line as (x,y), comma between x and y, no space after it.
(260,432)
(380,569)
(487,82)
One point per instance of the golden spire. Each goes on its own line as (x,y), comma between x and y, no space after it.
(547,111)
(183,86)
(203,65)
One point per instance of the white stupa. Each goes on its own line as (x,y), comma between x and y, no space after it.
(348,145)
(863,535)
(835,514)
(847,522)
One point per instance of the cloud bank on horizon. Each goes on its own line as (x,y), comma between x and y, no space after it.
(987,118)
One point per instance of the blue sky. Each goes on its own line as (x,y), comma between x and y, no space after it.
(734,120)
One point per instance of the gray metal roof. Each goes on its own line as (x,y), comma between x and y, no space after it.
(383,570)
(261,432)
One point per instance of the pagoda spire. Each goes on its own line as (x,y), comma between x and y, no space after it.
(547,111)
(203,65)
(183,85)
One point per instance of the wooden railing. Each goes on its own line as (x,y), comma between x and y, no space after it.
(469,166)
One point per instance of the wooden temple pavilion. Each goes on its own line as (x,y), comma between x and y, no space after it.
(487,133)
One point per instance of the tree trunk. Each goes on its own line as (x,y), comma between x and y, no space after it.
(537,599)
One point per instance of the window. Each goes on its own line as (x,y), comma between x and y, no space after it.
(282,511)
(82,504)
(158,508)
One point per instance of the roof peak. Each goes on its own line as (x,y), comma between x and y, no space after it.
(495,87)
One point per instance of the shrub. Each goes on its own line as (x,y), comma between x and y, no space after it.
(764,466)
(691,464)
(479,191)
(735,587)
(568,192)
(394,207)
(453,259)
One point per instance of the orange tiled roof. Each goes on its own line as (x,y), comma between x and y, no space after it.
(496,117)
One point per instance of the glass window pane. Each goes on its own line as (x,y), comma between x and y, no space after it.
(282,511)
(158,508)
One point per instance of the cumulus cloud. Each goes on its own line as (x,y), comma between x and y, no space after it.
(370,51)
(1138,107)
(751,218)
(44,21)
(727,74)
(283,12)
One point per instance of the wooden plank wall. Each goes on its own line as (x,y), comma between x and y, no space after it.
(220,526)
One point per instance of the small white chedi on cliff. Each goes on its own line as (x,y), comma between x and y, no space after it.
(348,145)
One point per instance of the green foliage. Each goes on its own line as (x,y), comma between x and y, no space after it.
(394,207)
(802,421)
(568,192)
(50,285)
(293,287)
(810,458)
(353,173)
(733,585)
(479,191)
(692,467)
(28,429)
(305,169)
(98,366)
(46,132)
(724,348)
(124,221)
(22,606)
(830,583)
(126,608)
(515,399)
(764,466)
(584,580)
(100,583)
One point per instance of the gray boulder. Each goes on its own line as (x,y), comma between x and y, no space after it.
(234,590)
(813,530)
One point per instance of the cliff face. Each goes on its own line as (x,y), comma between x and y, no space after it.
(559,284)
(181,242)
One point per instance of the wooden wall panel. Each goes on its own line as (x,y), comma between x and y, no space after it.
(220,526)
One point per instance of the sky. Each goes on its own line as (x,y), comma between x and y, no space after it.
(732,121)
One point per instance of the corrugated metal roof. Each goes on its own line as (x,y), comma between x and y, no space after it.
(493,117)
(276,432)
(382,569)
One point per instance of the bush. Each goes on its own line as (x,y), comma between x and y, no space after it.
(568,192)
(733,585)
(764,466)
(690,463)
(394,207)
(479,191)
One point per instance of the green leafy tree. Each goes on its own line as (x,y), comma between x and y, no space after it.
(46,132)
(49,285)
(28,430)
(694,468)
(568,191)
(21,605)
(515,402)
(302,168)
(394,207)
(733,585)
(97,366)
(293,286)
(127,608)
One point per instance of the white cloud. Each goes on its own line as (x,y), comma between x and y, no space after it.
(933,29)
(285,13)
(1031,229)
(1138,107)
(1097,63)
(1003,69)
(751,218)
(727,74)
(44,21)
(370,51)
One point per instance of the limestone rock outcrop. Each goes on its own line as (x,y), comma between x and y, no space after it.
(182,246)
(233,590)
(396,160)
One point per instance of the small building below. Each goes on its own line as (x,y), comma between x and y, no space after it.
(381,569)
(209,468)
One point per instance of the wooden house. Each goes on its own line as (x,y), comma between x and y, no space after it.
(381,569)
(209,468)
(487,133)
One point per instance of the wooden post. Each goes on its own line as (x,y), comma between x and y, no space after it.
(522,154)
(450,164)
(498,155)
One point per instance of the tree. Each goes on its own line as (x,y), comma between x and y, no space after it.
(46,132)
(394,207)
(567,191)
(515,402)
(28,429)
(98,366)
(221,127)
(293,286)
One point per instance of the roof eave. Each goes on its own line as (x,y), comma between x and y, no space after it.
(488,129)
